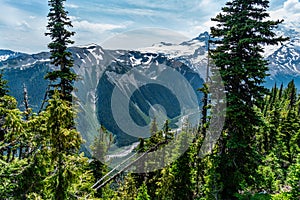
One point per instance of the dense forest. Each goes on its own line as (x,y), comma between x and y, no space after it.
(257,155)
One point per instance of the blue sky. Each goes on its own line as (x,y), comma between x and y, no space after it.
(22,23)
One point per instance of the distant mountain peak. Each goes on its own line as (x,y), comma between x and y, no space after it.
(96,64)
(202,36)
(89,46)
(200,40)
(163,44)
(6,54)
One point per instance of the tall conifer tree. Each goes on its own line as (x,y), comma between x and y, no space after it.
(57,25)
(3,92)
(242,30)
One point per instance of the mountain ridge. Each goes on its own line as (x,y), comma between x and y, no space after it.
(97,65)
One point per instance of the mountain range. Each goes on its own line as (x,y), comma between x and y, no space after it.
(123,90)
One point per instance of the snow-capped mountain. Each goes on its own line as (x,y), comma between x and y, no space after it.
(105,72)
(284,59)
(6,54)
(192,52)
(188,49)
(144,81)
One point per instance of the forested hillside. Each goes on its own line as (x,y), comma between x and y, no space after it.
(255,155)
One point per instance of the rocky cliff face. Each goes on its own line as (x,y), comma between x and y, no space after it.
(114,85)
(124,90)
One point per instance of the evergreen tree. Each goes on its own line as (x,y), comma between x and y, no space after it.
(164,184)
(64,143)
(279,139)
(293,178)
(281,142)
(181,169)
(128,190)
(3,86)
(58,22)
(142,193)
(153,127)
(175,181)
(99,149)
(3,92)
(12,128)
(240,34)
(52,167)
(290,94)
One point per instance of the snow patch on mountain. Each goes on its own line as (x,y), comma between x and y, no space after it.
(6,54)
(174,50)
(4,57)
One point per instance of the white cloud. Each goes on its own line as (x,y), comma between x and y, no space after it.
(23,26)
(143,37)
(90,32)
(156,5)
(133,11)
(10,15)
(85,25)
(292,6)
(22,30)
(74,18)
(94,21)
(70,5)
(290,11)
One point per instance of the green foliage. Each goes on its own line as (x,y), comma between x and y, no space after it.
(102,143)
(293,178)
(281,196)
(98,166)
(142,193)
(182,184)
(153,127)
(128,190)
(257,156)
(10,176)
(254,197)
(49,161)
(3,85)
(64,142)
(212,184)
(280,143)
(164,184)
(271,174)
(240,35)
(58,22)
